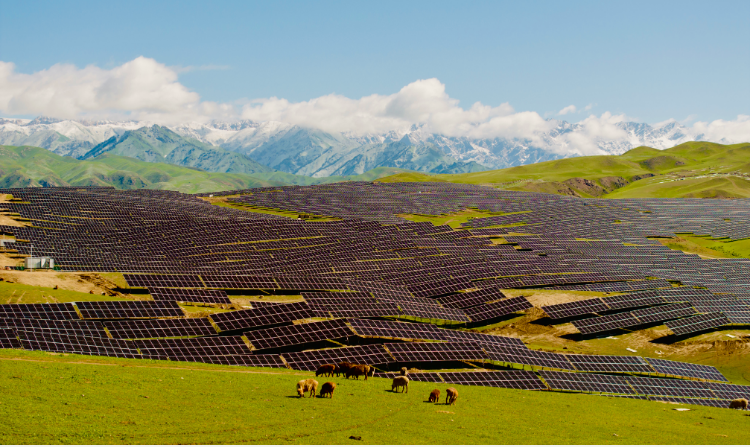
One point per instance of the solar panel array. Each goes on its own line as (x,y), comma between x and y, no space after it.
(373,264)
(299,334)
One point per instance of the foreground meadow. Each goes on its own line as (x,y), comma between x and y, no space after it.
(71,399)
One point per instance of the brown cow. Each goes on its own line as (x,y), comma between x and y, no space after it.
(451,396)
(358,370)
(327,389)
(400,382)
(326,370)
(343,368)
(435,396)
(306,385)
(738,403)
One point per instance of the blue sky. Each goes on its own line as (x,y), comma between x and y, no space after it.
(651,61)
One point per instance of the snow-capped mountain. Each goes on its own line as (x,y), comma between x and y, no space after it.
(318,153)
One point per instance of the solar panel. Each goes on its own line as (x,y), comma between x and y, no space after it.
(199,296)
(697,323)
(435,352)
(182,348)
(478,337)
(70,327)
(414,376)
(683,369)
(609,363)
(664,313)
(61,311)
(521,380)
(670,387)
(264,316)
(497,309)
(52,342)
(583,307)
(113,310)
(524,356)
(265,360)
(299,334)
(395,329)
(144,281)
(8,339)
(590,383)
(311,360)
(431,312)
(469,299)
(179,327)
(606,323)
(729,391)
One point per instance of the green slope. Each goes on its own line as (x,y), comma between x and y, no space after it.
(32,166)
(73,399)
(695,169)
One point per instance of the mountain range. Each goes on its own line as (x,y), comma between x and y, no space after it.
(252,147)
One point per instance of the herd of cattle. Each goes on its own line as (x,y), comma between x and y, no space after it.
(399,383)
(353,370)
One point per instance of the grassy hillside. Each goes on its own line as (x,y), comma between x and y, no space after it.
(32,166)
(695,169)
(73,399)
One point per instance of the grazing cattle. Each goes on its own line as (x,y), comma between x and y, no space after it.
(451,394)
(327,389)
(343,368)
(739,403)
(358,370)
(404,371)
(435,396)
(326,370)
(306,385)
(400,382)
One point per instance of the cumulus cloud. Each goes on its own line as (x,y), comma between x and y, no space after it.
(144,89)
(565,110)
(141,86)
(423,102)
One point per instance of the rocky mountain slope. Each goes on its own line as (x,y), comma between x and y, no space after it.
(317,153)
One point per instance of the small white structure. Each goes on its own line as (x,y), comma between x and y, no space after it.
(42,262)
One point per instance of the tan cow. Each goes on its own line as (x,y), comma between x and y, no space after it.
(400,382)
(404,371)
(327,389)
(451,394)
(739,403)
(306,385)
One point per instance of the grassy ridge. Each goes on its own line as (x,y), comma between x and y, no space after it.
(89,400)
(695,169)
(32,166)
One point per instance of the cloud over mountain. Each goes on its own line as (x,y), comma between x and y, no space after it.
(146,90)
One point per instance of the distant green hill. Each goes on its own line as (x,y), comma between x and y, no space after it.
(24,166)
(695,169)
(158,144)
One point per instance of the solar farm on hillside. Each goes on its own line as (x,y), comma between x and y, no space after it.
(381,290)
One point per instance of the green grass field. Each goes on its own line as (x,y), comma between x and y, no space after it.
(14,293)
(695,170)
(70,399)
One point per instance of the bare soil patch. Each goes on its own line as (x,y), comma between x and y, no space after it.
(76,282)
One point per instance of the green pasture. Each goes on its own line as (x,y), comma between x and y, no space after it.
(70,399)
(694,169)
(14,293)
(709,246)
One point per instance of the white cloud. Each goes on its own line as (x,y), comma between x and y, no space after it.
(565,110)
(421,102)
(144,89)
(139,87)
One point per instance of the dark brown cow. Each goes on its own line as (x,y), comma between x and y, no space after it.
(738,403)
(326,370)
(435,396)
(451,396)
(343,368)
(327,389)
